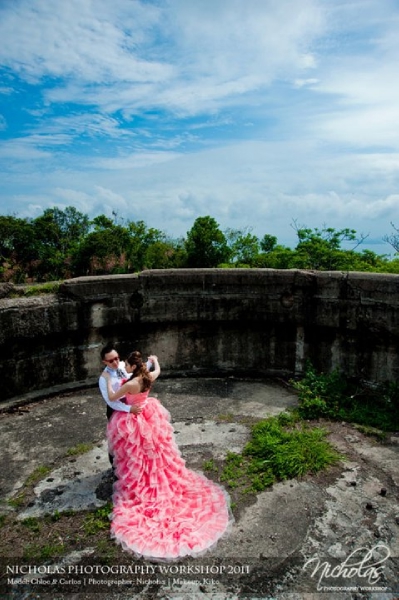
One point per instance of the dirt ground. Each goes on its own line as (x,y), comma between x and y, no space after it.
(332,535)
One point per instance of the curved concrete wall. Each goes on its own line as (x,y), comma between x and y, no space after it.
(252,322)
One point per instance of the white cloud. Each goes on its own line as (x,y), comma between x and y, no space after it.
(35,147)
(110,198)
(87,41)
(183,56)
(136,160)
(305,82)
(21,150)
(89,124)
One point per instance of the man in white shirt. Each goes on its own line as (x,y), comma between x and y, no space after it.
(116,369)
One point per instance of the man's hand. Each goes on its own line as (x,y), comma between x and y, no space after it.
(136,410)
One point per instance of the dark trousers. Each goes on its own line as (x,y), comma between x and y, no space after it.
(110,412)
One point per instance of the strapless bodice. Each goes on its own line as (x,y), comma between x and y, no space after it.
(137,399)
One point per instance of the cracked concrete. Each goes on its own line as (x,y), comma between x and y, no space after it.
(327,517)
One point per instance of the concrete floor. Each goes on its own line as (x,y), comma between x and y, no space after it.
(323,518)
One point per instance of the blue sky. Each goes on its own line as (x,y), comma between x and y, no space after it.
(260,113)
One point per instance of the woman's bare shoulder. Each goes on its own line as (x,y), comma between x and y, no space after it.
(134,385)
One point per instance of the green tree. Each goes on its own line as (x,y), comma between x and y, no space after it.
(59,233)
(206,244)
(141,239)
(268,243)
(102,222)
(60,229)
(19,249)
(321,248)
(244,246)
(165,255)
(280,257)
(103,250)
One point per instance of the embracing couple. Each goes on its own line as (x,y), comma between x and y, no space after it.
(161,509)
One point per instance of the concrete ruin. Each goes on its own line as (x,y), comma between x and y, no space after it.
(248,322)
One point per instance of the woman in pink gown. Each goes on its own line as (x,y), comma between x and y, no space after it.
(161,509)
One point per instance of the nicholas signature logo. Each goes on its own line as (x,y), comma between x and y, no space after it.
(365,564)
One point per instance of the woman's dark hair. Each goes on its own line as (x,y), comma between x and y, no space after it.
(134,359)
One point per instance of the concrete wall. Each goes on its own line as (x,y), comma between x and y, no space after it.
(253,322)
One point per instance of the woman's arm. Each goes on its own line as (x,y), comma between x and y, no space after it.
(128,387)
(157,369)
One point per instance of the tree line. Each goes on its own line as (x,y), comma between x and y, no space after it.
(60,244)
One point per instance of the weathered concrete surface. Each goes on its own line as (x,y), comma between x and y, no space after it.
(249,322)
(327,517)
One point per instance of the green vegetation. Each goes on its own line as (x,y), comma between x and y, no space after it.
(287,446)
(106,551)
(39,289)
(37,475)
(288,449)
(206,245)
(280,448)
(47,551)
(60,244)
(55,535)
(97,520)
(333,396)
(18,500)
(79,449)
(32,523)
(210,465)
(56,515)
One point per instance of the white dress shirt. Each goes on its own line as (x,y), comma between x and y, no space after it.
(117,375)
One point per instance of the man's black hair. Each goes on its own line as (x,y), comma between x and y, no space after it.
(108,348)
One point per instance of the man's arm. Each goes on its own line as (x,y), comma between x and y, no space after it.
(117,404)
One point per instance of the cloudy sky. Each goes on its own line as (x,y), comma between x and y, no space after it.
(260,113)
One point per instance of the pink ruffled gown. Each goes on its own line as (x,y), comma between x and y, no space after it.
(161,509)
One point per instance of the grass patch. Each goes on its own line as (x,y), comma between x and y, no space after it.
(289,453)
(371,431)
(21,497)
(210,465)
(37,289)
(18,500)
(37,475)
(79,449)
(333,396)
(107,551)
(36,551)
(32,523)
(226,418)
(97,520)
(50,537)
(280,448)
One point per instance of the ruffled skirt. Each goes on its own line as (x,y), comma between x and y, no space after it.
(161,509)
